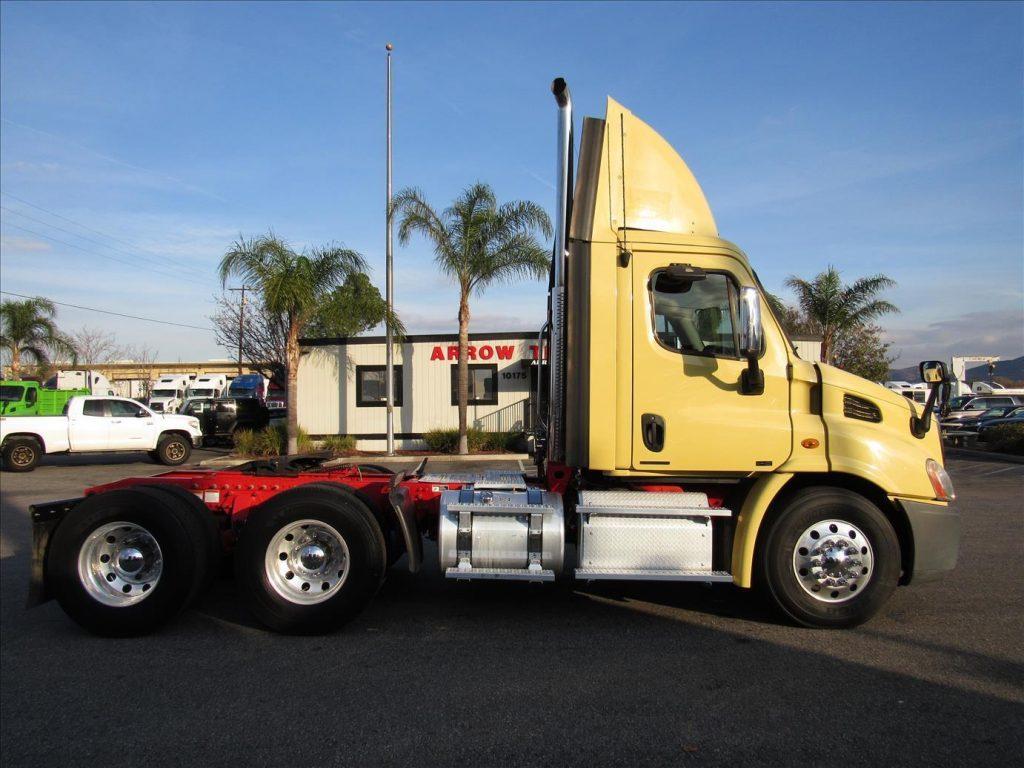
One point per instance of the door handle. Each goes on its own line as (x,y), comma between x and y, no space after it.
(115,421)
(652,426)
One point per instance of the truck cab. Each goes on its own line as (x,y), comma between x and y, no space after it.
(168,393)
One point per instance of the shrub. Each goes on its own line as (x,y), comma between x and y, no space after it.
(259,444)
(271,441)
(447,440)
(339,444)
(1006,438)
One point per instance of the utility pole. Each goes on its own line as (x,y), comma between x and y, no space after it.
(389,259)
(241,322)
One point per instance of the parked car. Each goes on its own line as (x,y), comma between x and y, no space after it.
(985,429)
(196,406)
(28,398)
(228,415)
(969,407)
(973,422)
(98,424)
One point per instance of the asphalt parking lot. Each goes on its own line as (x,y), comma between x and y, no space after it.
(511,674)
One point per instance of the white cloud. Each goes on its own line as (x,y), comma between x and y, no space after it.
(23,245)
(973,333)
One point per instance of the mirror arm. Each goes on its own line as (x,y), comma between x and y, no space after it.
(919,425)
(752,379)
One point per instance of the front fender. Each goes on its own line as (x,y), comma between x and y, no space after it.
(755,505)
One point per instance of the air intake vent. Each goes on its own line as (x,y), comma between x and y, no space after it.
(859,408)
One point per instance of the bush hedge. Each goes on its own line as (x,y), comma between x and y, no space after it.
(273,441)
(1006,438)
(447,440)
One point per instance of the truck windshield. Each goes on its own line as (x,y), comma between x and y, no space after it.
(10,393)
(242,391)
(201,392)
(164,393)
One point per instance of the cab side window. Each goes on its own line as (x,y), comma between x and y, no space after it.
(92,408)
(695,317)
(119,408)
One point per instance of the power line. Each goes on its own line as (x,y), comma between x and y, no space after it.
(83,226)
(101,255)
(90,240)
(82,237)
(108,312)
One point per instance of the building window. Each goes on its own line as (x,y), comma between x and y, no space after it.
(371,386)
(482,385)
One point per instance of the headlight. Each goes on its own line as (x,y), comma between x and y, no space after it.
(942,484)
(194,423)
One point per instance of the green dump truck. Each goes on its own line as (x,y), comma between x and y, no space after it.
(28,398)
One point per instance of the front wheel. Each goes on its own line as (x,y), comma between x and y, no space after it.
(310,559)
(830,559)
(173,450)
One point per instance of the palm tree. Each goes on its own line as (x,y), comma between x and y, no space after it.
(476,242)
(28,328)
(294,285)
(836,309)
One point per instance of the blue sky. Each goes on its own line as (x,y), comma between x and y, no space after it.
(873,137)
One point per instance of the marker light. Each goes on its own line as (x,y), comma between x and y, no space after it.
(942,484)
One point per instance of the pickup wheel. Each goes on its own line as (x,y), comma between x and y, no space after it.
(310,559)
(830,559)
(173,450)
(126,561)
(21,454)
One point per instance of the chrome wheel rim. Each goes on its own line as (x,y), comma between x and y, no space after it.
(22,456)
(833,561)
(175,451)
(307,562)
(119,564)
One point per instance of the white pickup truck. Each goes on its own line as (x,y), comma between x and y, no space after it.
(94,424)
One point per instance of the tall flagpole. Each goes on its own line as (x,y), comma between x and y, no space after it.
(390,374)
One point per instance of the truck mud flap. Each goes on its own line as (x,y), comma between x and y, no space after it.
(405,515)
(45,519)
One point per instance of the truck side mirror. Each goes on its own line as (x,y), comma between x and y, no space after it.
(934,374)
(751,340)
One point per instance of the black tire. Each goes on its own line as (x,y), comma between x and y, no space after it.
(830,607)
(204,524)
(21,454)
(182,541)
(351,519)
(173,449)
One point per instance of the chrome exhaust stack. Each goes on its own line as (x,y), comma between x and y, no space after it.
(563,206)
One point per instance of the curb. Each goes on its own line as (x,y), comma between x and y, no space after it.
(967,453)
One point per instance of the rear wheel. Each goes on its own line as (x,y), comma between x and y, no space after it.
(310,559)
(126,561)
(173,450)
(831,558)
(21,454)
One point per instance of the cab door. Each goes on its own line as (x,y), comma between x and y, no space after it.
(689,413)
(131,426)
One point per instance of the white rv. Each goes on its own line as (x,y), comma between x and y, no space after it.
(167,394)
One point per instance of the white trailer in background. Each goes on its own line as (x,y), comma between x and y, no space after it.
(94,381)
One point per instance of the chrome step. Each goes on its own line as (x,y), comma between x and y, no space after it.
(650,574)
(505,574)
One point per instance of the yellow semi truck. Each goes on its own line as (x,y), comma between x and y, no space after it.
(683,439)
